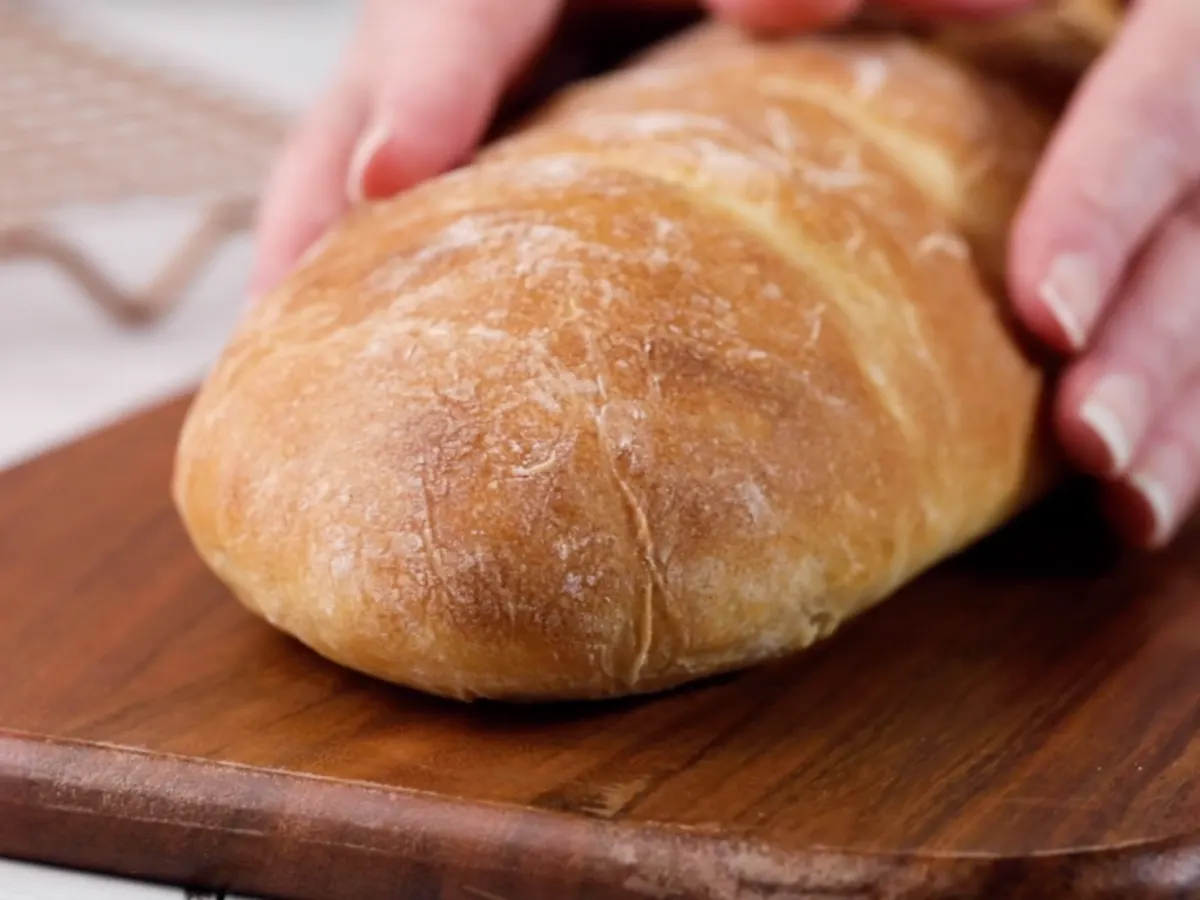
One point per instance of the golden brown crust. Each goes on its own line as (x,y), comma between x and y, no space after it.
(697,366)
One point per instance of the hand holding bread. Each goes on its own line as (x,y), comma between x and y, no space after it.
(707,358)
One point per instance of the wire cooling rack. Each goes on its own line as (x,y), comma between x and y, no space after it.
(84,125)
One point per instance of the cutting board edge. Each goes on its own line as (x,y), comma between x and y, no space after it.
(105,799)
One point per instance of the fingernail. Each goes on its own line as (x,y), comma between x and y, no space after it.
(1115,412)
(1157,499)
(1071,292)
(1162,473)
(376,135)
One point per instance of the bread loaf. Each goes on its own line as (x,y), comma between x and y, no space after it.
(704,360)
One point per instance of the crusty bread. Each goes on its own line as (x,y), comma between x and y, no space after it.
(706,359)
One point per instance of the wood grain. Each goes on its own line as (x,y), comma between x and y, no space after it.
(1021,723)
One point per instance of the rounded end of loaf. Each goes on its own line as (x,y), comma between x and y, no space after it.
(388,541)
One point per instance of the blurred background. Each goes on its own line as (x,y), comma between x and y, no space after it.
(90,161)
(87,163)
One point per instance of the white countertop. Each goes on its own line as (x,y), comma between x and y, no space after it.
(65,369)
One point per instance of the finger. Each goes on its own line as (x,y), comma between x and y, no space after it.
(1128,148)
(1161,492)
(305,191)
(439,70)
(1111,398)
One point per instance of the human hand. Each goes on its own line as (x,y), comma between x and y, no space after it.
(413,95)
(1105,267)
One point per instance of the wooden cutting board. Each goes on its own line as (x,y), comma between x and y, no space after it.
(1022,723)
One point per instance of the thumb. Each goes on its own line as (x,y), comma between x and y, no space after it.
(437,73)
